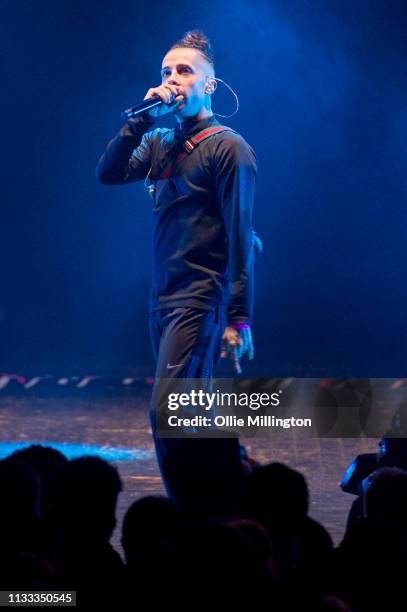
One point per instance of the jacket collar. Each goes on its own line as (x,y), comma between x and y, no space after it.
(190,127)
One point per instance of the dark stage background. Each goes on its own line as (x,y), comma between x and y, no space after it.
(322,87)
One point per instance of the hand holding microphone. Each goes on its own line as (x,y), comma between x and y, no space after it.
(157,102)
(169,94)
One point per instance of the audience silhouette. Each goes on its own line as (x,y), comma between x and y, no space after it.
(230,536)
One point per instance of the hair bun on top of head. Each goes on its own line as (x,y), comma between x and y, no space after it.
(195,39)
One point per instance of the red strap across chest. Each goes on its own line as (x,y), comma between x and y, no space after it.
(189,145)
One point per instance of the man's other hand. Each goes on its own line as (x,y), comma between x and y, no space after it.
(235,343)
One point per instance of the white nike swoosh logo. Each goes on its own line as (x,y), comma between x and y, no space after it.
(177,365)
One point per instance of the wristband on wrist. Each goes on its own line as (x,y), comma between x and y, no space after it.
(239,325)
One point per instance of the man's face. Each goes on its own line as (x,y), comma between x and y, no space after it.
(188,69)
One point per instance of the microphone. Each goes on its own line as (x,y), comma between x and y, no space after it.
(142,107)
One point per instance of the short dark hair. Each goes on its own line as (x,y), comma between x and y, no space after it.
(195,39)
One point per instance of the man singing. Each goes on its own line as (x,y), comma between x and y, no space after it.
(202,177)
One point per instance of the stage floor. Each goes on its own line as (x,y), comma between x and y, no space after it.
(115,426)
